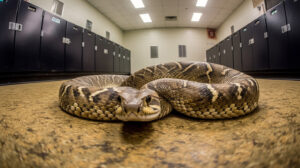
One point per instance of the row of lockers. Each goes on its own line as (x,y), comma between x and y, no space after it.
(35,40)
(270,42)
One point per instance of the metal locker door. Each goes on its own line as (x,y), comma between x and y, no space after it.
(52,43)
(278,39)
(88,56)
(27,41)
(228,54)
(110,57)
(223,53)
(122,60)
(237,52)
(73,57)
(116,56)
(293,13)
(209,55)
(128,62)
(8,13)
(217,54)
(260,45)
(247,53)
(99,59)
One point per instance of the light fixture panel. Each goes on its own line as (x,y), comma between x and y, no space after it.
(196,17)
(146,18)
(138,3)
(201,3)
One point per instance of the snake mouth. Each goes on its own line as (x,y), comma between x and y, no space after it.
(137,117)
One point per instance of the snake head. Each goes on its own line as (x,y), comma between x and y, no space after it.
(138,105)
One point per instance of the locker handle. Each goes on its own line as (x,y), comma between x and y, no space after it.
(257,22)
(31,8)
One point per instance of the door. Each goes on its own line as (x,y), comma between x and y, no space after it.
(27,41)
(227,56)
(8,13)
(52,44)
(209,55)
(237,52)
(293,13)
(88,56)
(100,56)
(278,39)
(247,53)
(127,62)
(216,54)
(260,45)
(109,56)
(116,55)
(73,57)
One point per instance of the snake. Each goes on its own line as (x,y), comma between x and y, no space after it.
(196,89)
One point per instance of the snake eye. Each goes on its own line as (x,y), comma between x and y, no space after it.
(119,99)
(148,99)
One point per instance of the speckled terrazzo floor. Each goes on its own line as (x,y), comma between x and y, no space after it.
(34,132)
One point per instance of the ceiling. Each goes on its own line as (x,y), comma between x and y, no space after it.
(123,14)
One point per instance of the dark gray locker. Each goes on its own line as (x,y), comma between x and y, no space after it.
(237,52)
(109,56)
(117,58)
(226,52)
(260,45)
(127,62)
(209,54)
(88,56)
(123,60)
(293,13)
(247,51)
(27,41)
(278,39)
(73,55)
(216,54)
(52,44)
(104,60)
(8,13)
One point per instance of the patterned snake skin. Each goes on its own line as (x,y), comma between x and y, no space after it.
(196,89)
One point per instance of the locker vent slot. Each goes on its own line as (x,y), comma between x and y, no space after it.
(182,50)
(107,35)
(75,28)
(31,8)
(57,7)
(154,51)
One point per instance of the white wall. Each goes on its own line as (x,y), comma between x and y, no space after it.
(167,40)
(240,17)
(78,11)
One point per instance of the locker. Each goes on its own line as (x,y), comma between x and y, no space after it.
(260,44)
(52,43)
(123,60)
(226,52)
(73,57)
(216,54)
(27,41)
(293,13)
(109,56)
(128,62)
(237,52)
(104,62)
(88,56)
(8,14)
(117,57)
(209,53)
(247,52)
(278,39)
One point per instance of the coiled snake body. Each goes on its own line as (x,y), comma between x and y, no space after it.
(196,89)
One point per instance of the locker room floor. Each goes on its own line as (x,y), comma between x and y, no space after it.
(34,132)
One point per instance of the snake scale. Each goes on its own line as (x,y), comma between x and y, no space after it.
(196,89)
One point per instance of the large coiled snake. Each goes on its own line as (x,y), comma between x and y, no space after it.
(196,89)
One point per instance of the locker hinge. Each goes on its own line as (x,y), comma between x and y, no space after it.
(114,53)
(83,44)
(15,26)
(224,51)
(119,55)
(96,48)
(231,48)
(241,45)
(42,33)
(266,35)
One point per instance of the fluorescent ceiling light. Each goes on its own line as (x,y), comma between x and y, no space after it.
(201,3)
(146,18)
(138,3)
(196,17)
